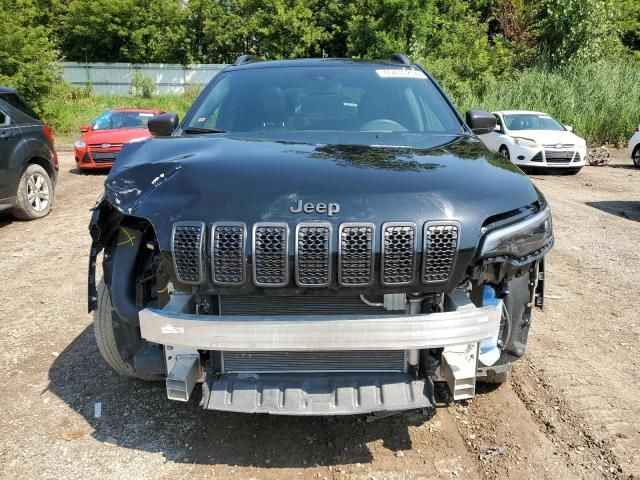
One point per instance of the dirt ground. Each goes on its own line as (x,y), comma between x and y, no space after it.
(570,411)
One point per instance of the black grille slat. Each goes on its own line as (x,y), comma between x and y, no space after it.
(355,256)
(398,253)
(270,251)
(228,253)
(440,249)
(187,241)
(313,244)
(315,362)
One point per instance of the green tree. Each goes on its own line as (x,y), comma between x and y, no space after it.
(577,30)
(628,23)
(27,54)
(138,31)
(446,37)
(516,22)
(221,31)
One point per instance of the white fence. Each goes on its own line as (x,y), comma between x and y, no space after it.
(116,77)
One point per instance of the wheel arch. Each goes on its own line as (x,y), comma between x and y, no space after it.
(44,163)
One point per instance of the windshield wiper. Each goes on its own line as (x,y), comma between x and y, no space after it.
(203,130)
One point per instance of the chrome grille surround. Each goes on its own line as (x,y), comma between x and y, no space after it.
(356,252)
(398,253)
(270,254)
(313,254)
(187,242)
(440,249)
(228,253)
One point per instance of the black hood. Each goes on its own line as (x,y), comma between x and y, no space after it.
(224,179)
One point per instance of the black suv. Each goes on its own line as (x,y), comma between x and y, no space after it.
(317,237)
(28,160)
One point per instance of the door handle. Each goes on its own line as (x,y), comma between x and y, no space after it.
(7,135)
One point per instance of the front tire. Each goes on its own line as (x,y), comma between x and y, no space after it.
(636,157)
(504,151)
(105,323)
(35,194)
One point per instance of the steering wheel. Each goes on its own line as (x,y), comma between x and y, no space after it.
(383,125)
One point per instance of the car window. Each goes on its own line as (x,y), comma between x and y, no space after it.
(112,120)
(16,102)
(4,119)
(295,99)
(522,121)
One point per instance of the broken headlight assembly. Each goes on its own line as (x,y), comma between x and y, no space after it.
(520,239)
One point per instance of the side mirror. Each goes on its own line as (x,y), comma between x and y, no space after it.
(481,122)
(85,128)
(498,128)
(569,128)
(163,125)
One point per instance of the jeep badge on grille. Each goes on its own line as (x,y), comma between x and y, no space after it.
(330,209)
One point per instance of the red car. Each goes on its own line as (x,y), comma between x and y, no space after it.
(103,138)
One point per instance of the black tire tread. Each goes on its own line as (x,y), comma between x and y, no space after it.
(633,156)
(105,338)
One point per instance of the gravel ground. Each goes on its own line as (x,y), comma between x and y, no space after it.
(570,410)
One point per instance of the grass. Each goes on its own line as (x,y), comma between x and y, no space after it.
(600,100)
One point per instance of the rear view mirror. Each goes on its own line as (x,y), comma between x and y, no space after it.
(569,128)
(163,125)
(481,122)
(85,128)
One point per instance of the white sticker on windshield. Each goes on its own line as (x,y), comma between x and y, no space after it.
(400,73)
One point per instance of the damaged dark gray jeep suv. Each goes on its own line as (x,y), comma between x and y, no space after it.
(317,237)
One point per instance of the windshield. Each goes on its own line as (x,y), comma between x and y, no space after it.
(112,120)
(291,100)
(532,121)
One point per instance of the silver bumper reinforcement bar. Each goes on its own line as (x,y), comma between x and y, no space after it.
(320,332)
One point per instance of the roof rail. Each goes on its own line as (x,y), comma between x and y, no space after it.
(242,59)
(399,58)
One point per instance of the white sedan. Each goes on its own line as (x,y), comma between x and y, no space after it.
(634,147)
(535,139)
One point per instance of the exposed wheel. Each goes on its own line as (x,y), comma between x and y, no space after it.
(35,194)
(636,157)
(105,324)
(504,151)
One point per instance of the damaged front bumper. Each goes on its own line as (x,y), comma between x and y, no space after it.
(186,335)
(320,332)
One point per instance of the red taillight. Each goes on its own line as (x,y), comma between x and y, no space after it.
(49,133)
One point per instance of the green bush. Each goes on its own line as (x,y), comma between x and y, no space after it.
(27,55)
(599,99)
(142,85)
